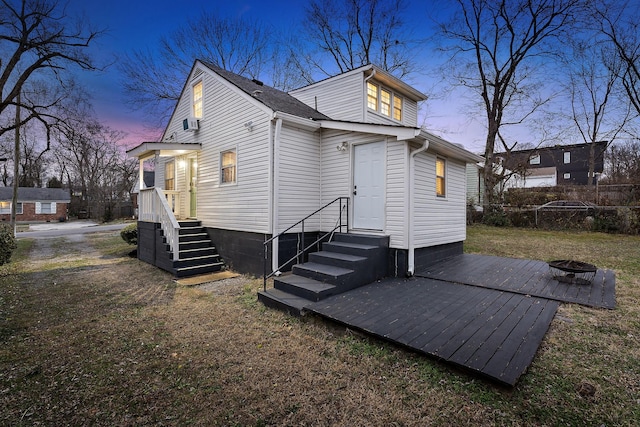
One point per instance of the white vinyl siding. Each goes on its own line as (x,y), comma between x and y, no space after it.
(244,206)
(397,179)
(341,98)
(439,220)
(298,175)
(336,172)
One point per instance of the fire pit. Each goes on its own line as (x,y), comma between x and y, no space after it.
(576,272)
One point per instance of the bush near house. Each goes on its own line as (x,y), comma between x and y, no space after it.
(7,243)
(130,234)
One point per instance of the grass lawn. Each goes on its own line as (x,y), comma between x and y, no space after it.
(90,336)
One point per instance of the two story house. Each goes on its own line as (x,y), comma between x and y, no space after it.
(556,165)
(248,161)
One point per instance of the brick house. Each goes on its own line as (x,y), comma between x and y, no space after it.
(35,204)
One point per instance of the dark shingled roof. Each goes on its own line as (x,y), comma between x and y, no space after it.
(273,98)
(28,194)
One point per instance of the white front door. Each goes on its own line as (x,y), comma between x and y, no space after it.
(368,186)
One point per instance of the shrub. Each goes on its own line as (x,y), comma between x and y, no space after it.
(130,234)
(495,216)
(7,243)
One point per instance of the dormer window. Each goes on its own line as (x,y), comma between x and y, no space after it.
(372,96)
(197,100)
(397,108)
(384,101)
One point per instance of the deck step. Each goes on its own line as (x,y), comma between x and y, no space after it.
(284,301)
(348,262)
(305,287)
(357,249)
(337,259)
(325,273)
(198,269)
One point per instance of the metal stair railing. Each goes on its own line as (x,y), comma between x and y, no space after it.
(343,212)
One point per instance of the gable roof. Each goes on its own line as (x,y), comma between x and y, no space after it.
(373,71)
(29,194)
(273,98)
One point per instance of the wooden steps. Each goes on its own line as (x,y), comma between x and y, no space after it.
(347,262)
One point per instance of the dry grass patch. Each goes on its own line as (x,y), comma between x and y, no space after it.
(91,336)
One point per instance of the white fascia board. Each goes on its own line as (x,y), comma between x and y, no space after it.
(307,124)
(400,132)
(444,147)
(165,149)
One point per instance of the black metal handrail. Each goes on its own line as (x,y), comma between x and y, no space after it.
(300,253)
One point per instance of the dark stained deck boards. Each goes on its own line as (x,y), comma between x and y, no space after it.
(526,277)
(492,332)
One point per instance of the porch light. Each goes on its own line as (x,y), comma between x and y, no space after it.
(249,125)
(343,146)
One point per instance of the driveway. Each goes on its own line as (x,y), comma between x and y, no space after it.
(58,229)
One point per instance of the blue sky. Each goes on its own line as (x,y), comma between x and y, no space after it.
(138,25)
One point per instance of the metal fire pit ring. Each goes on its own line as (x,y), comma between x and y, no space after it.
(570,271)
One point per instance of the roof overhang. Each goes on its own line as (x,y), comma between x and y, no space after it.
(450,149)
(163,149)
(402,133)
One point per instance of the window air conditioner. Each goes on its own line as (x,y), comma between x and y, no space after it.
(190,124)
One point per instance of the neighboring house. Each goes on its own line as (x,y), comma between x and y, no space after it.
(35,204)
(557,165)
(248,161)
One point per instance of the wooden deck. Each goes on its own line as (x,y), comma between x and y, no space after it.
(484,313)
(522,276)
(491,332)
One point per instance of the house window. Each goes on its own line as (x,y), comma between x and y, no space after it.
(384,101)
(170,176)
(197,100)
(228,167)
(45,208)
(567,157)
(372,96)
(5,208)
(534,159)
(567,176)
(440,177)
(397,108)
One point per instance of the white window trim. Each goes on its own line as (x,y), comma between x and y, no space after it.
(534,159)
(193,100)
(235,181)
(39,208)
(378,109)
(566,157)
(441,196)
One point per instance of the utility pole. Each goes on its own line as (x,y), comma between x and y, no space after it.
(16,161)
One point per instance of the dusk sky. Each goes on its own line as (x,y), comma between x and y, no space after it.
(138,25)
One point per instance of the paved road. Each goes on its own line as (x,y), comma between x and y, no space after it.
(58,229)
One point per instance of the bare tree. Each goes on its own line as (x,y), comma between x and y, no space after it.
(497,47)
(237,45)
(619,22)
(352,33)
(38,42)
(623,162)
(596,112)
(96,166)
